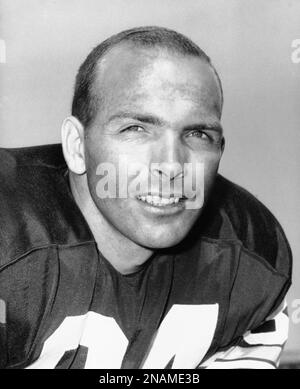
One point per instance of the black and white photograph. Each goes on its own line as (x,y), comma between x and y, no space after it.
(149,187)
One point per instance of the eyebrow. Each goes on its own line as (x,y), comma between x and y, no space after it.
(144,118)
(156,121)
(205,126)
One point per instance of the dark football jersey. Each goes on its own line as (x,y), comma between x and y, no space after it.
(214,298)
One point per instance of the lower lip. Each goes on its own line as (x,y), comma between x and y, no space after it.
(169,209)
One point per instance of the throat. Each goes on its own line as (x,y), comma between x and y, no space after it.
(125,257)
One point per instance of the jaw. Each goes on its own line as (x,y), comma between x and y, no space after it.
(153,227)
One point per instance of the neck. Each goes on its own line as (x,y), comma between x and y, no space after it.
(123,254)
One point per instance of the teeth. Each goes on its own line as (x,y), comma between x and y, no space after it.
(159,201)
(165,201)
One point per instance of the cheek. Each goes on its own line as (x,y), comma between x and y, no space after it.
(113,150)
(97,151)
(101,161)
(210,160)
(211,165)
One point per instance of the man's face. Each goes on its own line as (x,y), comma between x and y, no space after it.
(155,108)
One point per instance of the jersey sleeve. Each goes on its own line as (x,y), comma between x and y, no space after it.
(260,348)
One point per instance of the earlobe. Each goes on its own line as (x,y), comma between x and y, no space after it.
(72,134)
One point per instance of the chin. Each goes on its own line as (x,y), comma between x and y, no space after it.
(162,240)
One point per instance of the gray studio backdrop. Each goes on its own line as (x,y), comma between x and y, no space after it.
(42,43)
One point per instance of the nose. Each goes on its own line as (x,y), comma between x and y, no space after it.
(168,157)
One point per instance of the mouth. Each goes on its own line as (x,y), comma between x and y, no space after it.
(160,201)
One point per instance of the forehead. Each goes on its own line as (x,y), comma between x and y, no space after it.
(130,76)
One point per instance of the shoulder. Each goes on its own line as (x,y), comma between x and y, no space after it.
(50,156)
(234,214)
(36,206)
(260,256)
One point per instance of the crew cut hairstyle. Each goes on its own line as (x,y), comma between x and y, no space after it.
(86,102)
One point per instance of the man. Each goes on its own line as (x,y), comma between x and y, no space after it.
(93,278)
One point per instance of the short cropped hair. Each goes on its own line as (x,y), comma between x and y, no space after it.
(86,102)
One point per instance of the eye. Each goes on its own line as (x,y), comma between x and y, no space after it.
(199,134)
(134,128)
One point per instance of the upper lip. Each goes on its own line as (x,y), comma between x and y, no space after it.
(162,195)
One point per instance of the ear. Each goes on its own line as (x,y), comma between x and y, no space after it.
(72,134)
